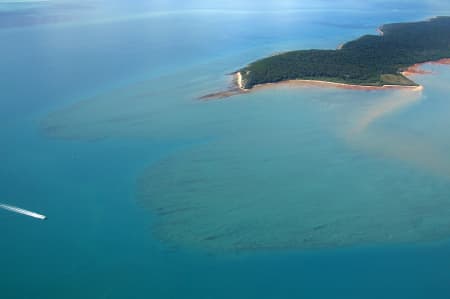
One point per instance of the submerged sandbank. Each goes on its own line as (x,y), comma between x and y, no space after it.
(235,89)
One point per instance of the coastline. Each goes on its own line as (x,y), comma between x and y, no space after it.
(235,89)
(238,87)
(388,67)
(380,31)
(416,68)
(238,78)
(412,70)
(329,84)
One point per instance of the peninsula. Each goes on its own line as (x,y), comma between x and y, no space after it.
(371,61)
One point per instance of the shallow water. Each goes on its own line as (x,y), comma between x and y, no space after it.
(153,193)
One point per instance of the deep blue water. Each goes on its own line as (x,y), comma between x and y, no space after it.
(99,240)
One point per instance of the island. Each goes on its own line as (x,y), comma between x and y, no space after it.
(372,61)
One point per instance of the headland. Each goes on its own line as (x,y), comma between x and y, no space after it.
(371,62)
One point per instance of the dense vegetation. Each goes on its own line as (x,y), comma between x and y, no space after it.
(369,60)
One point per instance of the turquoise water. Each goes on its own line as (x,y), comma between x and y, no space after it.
(152,193)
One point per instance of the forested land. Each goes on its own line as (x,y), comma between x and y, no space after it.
(370,60)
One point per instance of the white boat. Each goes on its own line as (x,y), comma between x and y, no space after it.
(23,211)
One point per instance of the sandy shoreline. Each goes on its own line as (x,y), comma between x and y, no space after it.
(440,61)
(412,70)
(302,82)
(238,87)
(380,31)
(416,68)
(319,83)
(239,80)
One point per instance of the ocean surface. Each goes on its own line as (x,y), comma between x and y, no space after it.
(286,192)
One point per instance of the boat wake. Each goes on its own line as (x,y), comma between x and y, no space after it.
(22,211)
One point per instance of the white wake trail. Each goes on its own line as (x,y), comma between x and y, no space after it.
(23,211)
